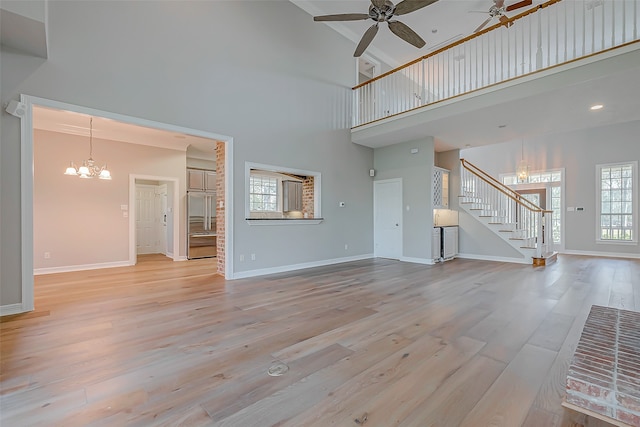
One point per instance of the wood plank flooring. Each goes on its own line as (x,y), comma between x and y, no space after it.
(368,343)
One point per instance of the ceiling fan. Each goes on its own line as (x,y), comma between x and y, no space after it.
(498,9)
(383,11)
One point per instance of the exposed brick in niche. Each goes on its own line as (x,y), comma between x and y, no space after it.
(220,207)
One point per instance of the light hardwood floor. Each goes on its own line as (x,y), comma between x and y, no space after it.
(368,343)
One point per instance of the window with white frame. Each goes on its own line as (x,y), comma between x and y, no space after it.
(553,180)
(617,207)
(274,192)
(263,193)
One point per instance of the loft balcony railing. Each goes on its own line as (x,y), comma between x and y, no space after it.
(551,34)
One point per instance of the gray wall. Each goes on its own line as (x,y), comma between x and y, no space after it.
(416,171)
(578,152)
(261,72)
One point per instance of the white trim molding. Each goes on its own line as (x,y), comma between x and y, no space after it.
(9,309)
(80,267)
(301,266)
(412,260)
(495,258)
(600,254)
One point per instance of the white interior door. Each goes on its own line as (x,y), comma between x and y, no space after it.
(387,217)
(162,220)
(145,219)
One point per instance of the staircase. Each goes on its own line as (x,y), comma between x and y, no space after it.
(519,222)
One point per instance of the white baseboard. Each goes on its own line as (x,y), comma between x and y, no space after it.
(495,258)
(181,258)
(285,268)
(69,268)
(9,309)
(425,261)
(599,254)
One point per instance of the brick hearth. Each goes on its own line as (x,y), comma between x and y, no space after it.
(604,375)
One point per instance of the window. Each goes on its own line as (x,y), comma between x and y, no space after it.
(552,181)
(263,193)
(279,193)
(617,207)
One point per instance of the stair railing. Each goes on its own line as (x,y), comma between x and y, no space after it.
(526,221)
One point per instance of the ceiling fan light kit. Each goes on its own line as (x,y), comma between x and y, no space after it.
(498,10)
(383,11)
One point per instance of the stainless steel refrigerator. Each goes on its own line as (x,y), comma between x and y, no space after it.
(201,214)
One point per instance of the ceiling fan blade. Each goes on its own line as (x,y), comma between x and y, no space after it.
(407,6)
(498,3)
(405,33)
(366,40)
(482,25)
(518,5)
(342,17)
(378,4)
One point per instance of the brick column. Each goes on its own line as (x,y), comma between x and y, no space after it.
(220,204)
(307,197)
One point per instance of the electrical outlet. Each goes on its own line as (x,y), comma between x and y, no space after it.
(47,255)
(241,257)
(346,247)
(253,257)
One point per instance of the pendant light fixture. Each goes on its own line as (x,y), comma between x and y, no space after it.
(89,169)
(522,172)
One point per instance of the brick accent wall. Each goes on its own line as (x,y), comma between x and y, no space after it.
(308,197)
(220,204)
(604,374)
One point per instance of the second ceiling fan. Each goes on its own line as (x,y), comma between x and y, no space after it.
(383,11)
(498,10)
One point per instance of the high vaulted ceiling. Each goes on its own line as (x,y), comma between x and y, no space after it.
(563,107)
(439,24)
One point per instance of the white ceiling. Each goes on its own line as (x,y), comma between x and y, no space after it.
(439,24)
(78,124)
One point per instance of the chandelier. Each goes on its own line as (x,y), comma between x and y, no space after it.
(89,169)
(523,168)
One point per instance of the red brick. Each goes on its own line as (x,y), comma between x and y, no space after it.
(628,417)
(628,402)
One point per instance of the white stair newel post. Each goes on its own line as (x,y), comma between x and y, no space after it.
(539,234)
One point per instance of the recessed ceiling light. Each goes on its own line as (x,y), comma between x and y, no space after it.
(596,107)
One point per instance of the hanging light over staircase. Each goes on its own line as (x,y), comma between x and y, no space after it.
(522,171)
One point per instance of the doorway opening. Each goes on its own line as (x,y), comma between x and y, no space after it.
(545,189)
(154,227)
(27,193)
